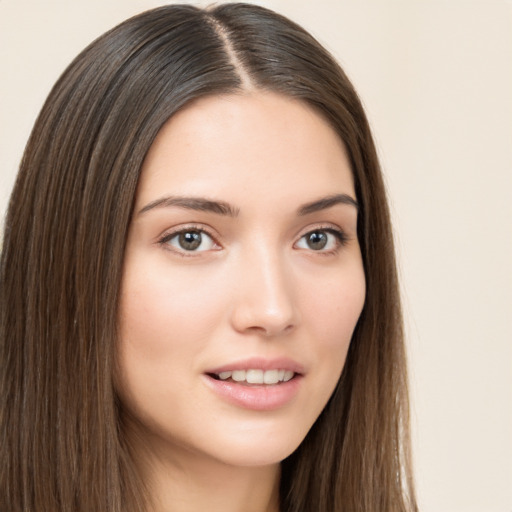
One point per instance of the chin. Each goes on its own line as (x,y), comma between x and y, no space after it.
(262,447)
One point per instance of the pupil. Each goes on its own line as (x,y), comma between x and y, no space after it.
(190,240)
(317,240)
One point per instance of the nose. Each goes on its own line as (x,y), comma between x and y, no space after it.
(264,301)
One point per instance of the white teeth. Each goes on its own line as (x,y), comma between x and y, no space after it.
(257,376)
(238,375)
(254,376)
(287,375)
(271,377)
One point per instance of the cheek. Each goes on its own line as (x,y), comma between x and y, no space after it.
(332,308)
(161,310)
(165,320)
(333,305)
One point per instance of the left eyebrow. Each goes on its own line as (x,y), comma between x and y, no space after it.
(327,202)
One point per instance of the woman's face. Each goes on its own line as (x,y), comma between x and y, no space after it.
(243,280)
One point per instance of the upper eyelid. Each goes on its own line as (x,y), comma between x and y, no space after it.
(322,226)
(169,233)
(340,234)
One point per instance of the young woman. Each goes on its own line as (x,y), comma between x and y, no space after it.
(199,305)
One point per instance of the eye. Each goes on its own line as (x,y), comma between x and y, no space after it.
(324,240)
(189,240)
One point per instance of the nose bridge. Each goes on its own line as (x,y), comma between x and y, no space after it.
(265,300)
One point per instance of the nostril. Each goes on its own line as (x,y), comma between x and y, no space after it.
(269,331)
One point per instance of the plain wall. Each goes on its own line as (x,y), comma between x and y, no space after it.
(436,79)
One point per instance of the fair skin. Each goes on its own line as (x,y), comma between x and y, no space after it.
(242,255)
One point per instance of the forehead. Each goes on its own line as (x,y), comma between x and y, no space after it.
(261,144)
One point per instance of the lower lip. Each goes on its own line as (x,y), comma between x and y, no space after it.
(256,397)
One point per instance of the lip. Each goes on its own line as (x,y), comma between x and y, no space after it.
(282,363)
(257,397)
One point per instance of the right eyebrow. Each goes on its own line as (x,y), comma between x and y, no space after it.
(192,203)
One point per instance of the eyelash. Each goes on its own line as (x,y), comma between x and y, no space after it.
(339,234)
(167,237)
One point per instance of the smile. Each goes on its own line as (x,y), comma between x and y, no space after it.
(257,384)
(256,376)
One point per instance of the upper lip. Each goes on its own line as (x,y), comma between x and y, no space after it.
(259,363)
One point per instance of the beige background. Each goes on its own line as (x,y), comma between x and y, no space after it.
(436,79)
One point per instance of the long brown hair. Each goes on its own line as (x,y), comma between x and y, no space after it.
(62,440)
